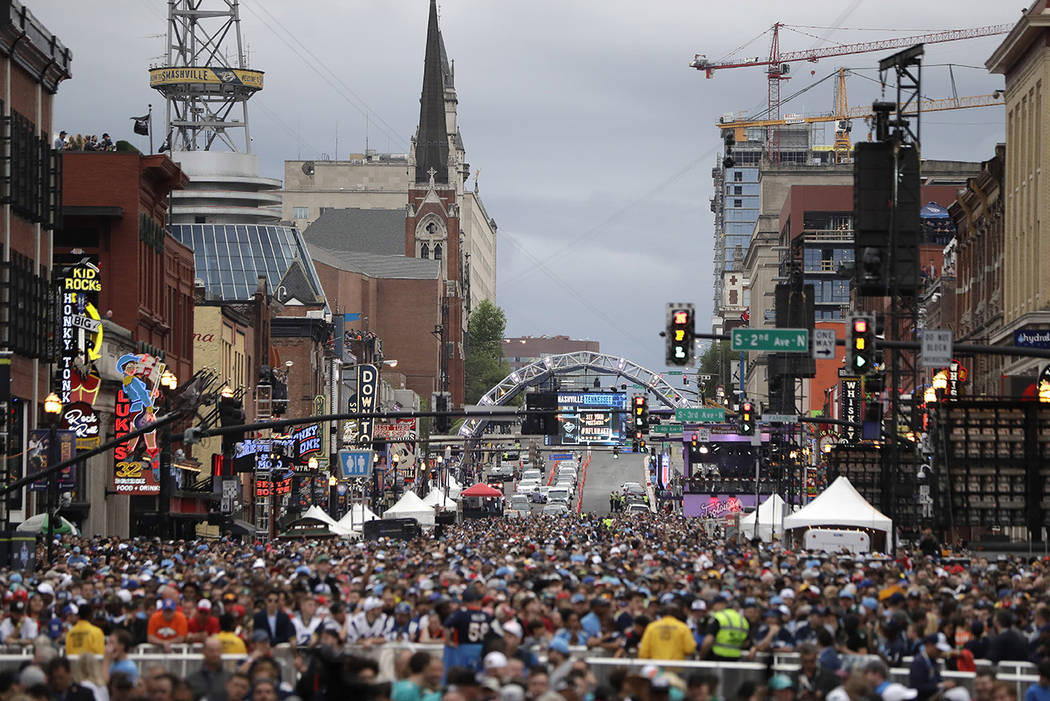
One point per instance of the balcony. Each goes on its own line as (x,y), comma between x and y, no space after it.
(827,236)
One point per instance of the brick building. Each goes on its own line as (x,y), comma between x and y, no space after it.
(33,62)
(115,212)
(525,350)
(397,299)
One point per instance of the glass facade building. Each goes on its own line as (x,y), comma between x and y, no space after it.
(230,258)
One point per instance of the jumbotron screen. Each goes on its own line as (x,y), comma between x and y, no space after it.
(584,418)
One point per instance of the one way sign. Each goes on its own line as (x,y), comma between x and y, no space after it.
(824,344)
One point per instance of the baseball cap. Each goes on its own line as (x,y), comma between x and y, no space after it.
(898,692)
(403,607)
(514,628)
(260,636)
(372,603)
(169,605)
(204,604)
(46,588)
(559,645)
(495,660)
(779,682)
(699,605)
(939,640)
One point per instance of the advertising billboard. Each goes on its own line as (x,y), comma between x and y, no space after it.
(587,418)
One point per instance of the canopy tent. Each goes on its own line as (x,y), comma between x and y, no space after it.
(38,524)
(839,506)
(316,512)
(411,506)
(932,210)
(437,498)
(358,514)
(454,488)
(481,490)
(770,519)
(325,523)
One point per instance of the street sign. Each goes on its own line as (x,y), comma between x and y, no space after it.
(699,415)
(703,435)
(669,429)
(779,419)
(355,463)
(936,348)
(824,344)
(775,340)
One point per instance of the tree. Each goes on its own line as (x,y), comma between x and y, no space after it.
(717,361)
(485,365)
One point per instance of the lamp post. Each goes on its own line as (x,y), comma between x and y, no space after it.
(395,459)
(52,410)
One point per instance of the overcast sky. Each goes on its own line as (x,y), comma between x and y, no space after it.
(594,138)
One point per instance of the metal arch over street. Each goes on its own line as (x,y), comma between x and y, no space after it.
(536,373)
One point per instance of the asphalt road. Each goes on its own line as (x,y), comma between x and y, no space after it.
(606,474)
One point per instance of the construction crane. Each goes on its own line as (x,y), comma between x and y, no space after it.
(843,114)
(778,63)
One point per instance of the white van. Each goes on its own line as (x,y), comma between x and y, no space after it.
(835,541)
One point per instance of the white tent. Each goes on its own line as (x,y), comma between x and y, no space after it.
(770,517)
(839,505)
(454,488)
(411,506)
(318,513)
(437,498)
(357,515)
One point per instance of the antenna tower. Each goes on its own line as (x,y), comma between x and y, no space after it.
(203,89)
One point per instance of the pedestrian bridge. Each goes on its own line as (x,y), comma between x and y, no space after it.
(542,370)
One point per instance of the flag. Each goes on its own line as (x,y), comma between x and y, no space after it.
(141,125)
(166,146)
(745,316)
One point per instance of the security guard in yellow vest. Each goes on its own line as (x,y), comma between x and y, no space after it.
(726,633)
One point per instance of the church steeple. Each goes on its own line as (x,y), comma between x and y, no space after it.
(432,137)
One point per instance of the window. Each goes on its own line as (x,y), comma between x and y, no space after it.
(424,251)
(437,252)
(738,203)
(300,212)
(738,190)
(738,177)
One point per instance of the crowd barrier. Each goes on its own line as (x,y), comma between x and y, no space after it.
(183,660)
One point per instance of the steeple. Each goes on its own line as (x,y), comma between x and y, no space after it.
(432,137)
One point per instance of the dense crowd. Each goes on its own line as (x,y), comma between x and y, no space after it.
(514,609)
(80,142)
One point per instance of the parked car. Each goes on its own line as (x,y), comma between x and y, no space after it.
(557,509)
(636,507)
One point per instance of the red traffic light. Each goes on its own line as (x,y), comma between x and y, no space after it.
(639,401)
(860,325)
(746,407)
(681,317)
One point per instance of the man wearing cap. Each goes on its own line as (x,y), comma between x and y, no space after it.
(371,626)
(18,628)
(924,675)
(202,624)
(726,634)
(167,626)
(323,583)
(467,628)
(84,636)
(782,687)
(667,638)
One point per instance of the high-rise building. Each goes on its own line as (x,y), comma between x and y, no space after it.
(735,205)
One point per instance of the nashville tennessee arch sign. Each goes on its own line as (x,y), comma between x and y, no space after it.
(540,371)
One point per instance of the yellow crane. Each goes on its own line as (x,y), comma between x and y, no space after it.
(844,114)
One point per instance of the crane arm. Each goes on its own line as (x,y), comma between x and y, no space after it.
(864,111)
(813,55)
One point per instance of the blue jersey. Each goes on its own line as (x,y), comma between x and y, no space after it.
(469,626)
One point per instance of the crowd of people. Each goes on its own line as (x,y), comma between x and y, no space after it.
(517,609)
(91,142)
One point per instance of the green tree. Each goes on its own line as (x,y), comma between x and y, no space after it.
(717,362)
(485,365)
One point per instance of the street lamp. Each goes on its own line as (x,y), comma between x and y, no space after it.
(226,391)
(312,463)
(168,380)
(52,410)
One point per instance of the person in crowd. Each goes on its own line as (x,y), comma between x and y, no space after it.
(167,626)
(84,636)
(924,675)
(274,620)
(61,685)
(18,629)
(89,674)
(211,678)
(667,638)
(1008,643)
(202,624)
(60,141)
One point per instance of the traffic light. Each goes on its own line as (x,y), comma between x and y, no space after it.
(542,416)
(439,402)
(231,413)
(679,334)
(641,414)
(860,344)
(747,419)
(693,442)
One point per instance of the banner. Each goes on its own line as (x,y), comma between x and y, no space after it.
(364,397)
(159,77)
(80,325)
(851,408)
(137,462)
(402,430)
(38,457)
(82,420)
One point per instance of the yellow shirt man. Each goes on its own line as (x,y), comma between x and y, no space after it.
(667,639)
(85,637)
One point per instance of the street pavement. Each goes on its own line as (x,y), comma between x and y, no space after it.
(606,474)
